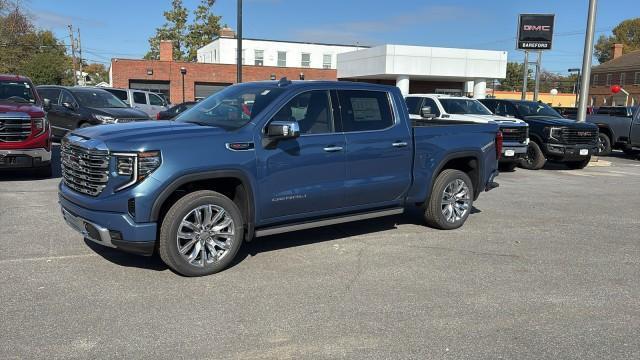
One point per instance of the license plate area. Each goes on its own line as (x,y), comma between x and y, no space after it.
(584,152)
(509,153)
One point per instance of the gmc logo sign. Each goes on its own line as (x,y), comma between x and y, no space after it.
(536,28)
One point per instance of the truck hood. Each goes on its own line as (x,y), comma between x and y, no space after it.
(123,113)
(556,121)
(34,110)
(501,120)
(147,135)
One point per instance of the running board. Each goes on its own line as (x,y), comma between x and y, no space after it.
(325,222)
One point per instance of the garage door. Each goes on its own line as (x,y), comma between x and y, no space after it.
(205,89)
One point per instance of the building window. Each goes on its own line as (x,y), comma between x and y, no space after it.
(595,80)
(636,81)
(306,60)
(608,83)
(259,57)
(326,61)
(622,78)
(282,58)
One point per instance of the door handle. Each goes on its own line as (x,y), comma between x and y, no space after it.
(332,148)
(400,144)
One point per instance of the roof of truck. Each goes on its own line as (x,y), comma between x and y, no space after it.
(9,77)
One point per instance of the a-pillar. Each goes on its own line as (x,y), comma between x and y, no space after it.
(480,89)
(402,82)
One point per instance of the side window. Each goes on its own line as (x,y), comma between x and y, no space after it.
(312,111)
(155,100)
(413,105)
(363,110)
(139,98)
(491,105)
(67,98)
(434,106)
(120,94)
(52,94)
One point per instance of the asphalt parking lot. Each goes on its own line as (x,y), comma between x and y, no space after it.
(547,267)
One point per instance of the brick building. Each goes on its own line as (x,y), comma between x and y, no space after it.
(623,70)
(164,75)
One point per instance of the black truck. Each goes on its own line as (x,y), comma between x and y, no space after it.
(619,128)
(552,137)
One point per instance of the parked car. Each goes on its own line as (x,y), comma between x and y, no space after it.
(308,154)
(619,128)
(436,106)
(25,135)
(175,110)
(150,103)
(76,107)
(571,112)
(552,136)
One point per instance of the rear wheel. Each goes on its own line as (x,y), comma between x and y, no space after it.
(604,144)
(84,125)
(451,200)
(201,234)
(578,164)
(534,160)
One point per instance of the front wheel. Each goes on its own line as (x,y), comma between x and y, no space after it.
(451,200)
(534,160)
(604,144)
(201,234)
(577,165)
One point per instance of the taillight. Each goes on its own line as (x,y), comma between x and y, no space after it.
(158,116)
(499,145)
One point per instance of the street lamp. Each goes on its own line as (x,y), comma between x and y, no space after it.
(183,71)
(576,84)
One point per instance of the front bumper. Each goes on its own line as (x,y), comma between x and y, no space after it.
(24,158)
(566,152)
(512,153)
(110,229)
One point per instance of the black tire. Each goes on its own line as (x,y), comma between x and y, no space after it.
(168,245)
(604,144)
(84,125)
(508,166)
(577,165)
(434,210)
(534,160)
(44,172)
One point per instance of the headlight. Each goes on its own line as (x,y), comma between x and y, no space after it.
(554,133)
(105,118)
(137,166)
(39,126)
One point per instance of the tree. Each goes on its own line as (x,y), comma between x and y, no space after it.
(187,38)
(626,33)
(97,72)
(513,79)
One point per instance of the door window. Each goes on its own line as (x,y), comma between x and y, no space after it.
(364,110)
(52,94)
(312,111)
(67,98)
(506,109)
(155,100)
(413,105)
(120,94)
(139,97)
(434,106)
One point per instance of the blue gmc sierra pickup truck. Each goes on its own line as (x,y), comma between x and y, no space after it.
(264,158)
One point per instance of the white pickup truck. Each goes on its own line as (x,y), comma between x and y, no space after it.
(515,132)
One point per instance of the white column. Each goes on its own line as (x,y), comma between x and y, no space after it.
(480,89)
(402,82)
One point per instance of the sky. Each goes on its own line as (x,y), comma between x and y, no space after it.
(120,29)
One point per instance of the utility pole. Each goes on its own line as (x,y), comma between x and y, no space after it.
(83,82)
(73,54)
(536,91)
(525,75)
(239,44)
(586,62)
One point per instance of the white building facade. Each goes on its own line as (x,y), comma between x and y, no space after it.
(273,53)
(456,71)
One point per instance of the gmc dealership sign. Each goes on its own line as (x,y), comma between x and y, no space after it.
(535,31)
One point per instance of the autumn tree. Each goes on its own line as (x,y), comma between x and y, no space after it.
(626,33)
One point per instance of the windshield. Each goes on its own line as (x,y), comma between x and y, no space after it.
(16,91)
(464,106)
(231,108)
(98,99)
(536,109)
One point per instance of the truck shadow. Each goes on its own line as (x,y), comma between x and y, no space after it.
(412,216)
(29,174)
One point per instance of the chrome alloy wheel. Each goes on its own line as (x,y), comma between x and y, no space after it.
(455,200)
(601,145)
(205,235)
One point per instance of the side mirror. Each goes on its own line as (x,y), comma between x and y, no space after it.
(46,104)
(279,130)
(68,105)
(426,113)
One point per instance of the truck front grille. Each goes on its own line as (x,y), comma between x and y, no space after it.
(84,170)
(14,129)
(515,134)
(579,136)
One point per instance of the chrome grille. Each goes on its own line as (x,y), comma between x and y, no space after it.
(14,127)
(579,136)
(515,134)
(84,170)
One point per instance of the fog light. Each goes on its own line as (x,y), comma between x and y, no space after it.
(131,207)
(115,235)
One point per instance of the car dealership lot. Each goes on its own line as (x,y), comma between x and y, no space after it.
(547,267)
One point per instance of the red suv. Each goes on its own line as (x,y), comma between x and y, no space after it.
(25,134)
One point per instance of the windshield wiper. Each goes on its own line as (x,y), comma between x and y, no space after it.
(201,123)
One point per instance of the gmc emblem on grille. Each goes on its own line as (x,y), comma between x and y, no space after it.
(583,133)
(509,130)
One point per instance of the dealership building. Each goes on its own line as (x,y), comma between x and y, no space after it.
(414,69)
